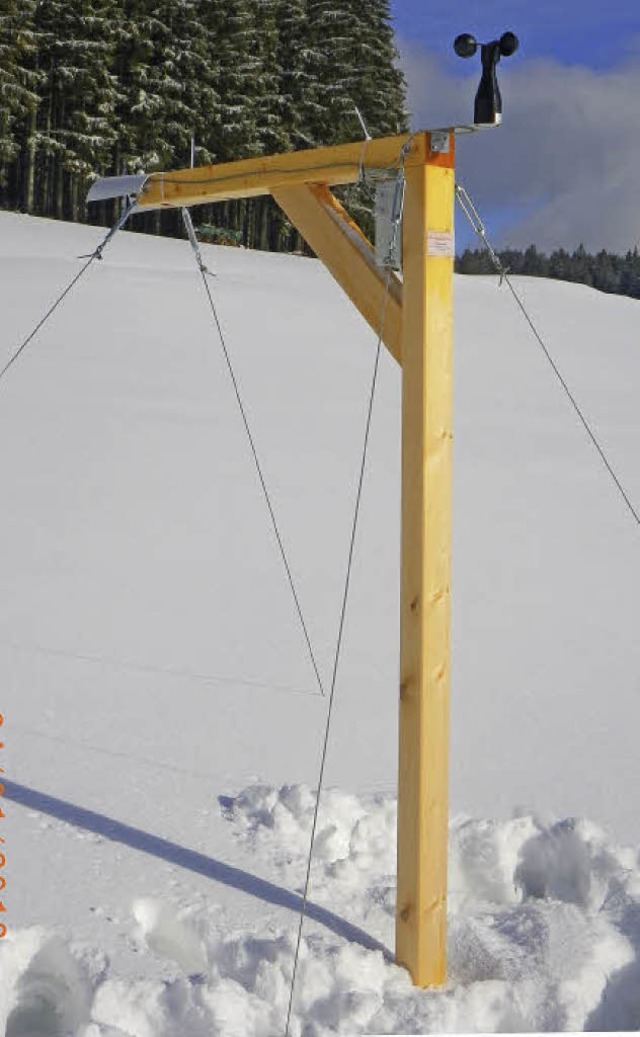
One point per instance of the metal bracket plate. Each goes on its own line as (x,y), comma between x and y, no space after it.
(388,214)
(116,187)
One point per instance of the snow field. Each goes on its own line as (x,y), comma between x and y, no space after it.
(163,725)
(544,935)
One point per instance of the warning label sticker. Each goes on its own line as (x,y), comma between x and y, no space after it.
(440,243)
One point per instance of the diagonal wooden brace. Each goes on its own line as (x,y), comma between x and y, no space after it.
(340,244)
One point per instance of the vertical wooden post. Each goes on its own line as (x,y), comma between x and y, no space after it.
(427,330)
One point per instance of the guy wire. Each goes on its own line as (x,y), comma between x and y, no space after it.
(96,254)
(343,612)
(345,596)
(477,225)
(48,314)
(236,388)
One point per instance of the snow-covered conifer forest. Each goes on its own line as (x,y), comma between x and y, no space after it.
(110,86)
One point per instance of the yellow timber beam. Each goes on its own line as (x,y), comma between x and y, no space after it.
(338,241)
(425,569)
(338,164)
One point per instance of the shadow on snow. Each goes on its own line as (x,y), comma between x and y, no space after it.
(235,878)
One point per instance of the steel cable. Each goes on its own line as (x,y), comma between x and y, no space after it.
(477,225)
(254,452)
(97,254)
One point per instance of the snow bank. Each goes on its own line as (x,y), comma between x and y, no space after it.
(544,934)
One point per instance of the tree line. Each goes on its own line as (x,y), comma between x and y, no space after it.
(104,87)
(603,270)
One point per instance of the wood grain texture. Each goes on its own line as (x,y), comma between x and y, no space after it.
(348,256)
(427,333)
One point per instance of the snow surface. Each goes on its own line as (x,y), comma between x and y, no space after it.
(162,723)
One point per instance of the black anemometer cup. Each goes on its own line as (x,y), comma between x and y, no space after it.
(465,45)
(488,106)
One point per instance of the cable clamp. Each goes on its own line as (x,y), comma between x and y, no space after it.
(118,225)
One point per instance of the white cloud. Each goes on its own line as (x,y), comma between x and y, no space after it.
(567,156)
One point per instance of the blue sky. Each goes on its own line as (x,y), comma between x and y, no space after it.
(587,33)
(563,168)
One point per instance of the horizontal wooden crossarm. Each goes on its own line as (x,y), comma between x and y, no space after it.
(338,241)
(338,164)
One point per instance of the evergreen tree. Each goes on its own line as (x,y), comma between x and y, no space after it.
(18,93)
(560,265)
(17,86)
(264,223)
(167,85)
(246,35)
(233,32)
(353,59)
(186,77)
(71,130)
(605,274)
(333,31)
(136,106)
(271,133)
(535,263)
(581,266)
(379,86)
(297,88)
(630,274)
(167,92)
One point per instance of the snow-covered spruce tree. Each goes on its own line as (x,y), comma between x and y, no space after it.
(15,97)
(225,26)
(244,36)
(18,97)
(379,89)
(271,132)
(333,27)
(297,87)
(297,97)
(166,85)
(167,93)
(263,220)
(354,64)
(379,86)
(232,32)
(73,131)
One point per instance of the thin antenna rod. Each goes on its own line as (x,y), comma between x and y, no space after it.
(367,135)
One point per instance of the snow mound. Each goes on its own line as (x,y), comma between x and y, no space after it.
(544,934)
(160,929)
(43,992)
(357,829)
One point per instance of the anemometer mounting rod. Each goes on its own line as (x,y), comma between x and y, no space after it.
(488,106)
